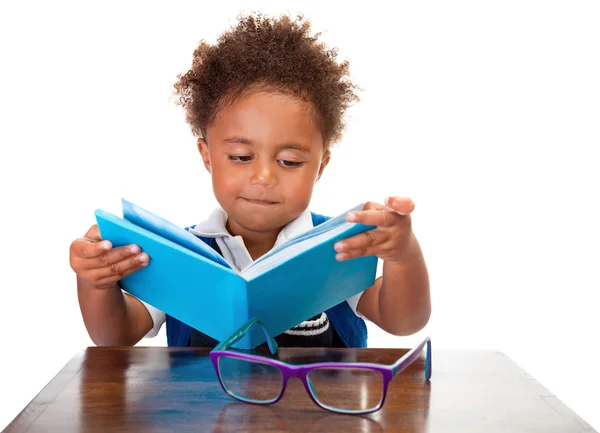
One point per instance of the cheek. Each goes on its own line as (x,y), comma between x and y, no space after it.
(226,181)
(304,183)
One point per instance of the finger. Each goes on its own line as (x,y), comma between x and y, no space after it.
(113,279)
(362,241)
(87,248)
(109,258)
(382,218)
(118,270)
(91,244)
(372,205)
(402,205)
(361,252)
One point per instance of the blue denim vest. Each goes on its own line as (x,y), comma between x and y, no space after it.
(351,328)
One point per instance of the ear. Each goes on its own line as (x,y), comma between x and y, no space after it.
(203,149)
(324,162)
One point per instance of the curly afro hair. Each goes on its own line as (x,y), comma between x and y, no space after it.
(267,54)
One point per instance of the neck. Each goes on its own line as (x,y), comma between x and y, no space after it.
(256,243)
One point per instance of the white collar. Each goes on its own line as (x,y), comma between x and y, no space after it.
(232,247)
(215,226)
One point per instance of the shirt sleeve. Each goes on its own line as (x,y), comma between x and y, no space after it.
(158,317)
(353,301)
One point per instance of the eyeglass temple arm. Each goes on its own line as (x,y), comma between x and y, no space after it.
(237,335)
(412,355)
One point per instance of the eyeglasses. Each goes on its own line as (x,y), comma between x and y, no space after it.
(342,387)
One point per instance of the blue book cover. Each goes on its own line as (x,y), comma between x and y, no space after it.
(188,280)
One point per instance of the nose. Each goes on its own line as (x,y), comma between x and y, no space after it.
(263,174)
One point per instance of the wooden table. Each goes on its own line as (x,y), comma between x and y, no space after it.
(153,389)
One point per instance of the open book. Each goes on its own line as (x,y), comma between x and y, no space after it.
(190,281)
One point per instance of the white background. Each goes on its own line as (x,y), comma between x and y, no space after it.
(485,113)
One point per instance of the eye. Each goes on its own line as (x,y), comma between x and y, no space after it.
(236,158)
(290,164)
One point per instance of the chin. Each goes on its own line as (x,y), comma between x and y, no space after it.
(259,223)
(259,226)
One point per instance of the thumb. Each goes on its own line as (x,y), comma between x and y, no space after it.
(372,205)
(93,234)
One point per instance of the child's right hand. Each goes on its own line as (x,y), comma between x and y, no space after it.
(99,265)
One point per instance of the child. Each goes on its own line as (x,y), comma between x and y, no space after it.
(266,103)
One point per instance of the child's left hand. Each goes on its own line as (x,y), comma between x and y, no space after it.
(390,240)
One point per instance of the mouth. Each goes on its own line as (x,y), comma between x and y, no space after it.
(260,202)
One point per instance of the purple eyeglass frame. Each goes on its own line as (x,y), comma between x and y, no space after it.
(301,371)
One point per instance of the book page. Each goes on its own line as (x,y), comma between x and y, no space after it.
(157,225)
(300,243)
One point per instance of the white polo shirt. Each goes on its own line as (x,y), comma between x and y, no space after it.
(235,253)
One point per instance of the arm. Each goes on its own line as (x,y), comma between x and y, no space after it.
(111,317)
(399,302)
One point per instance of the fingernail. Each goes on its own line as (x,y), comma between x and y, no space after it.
(340,256)
(143,258)
(135,249)
(105,245)
(387,200)
(339,246)
(351,216)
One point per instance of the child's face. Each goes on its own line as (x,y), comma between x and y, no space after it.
(265,153)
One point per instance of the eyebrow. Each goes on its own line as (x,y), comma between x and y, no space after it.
(242,140)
